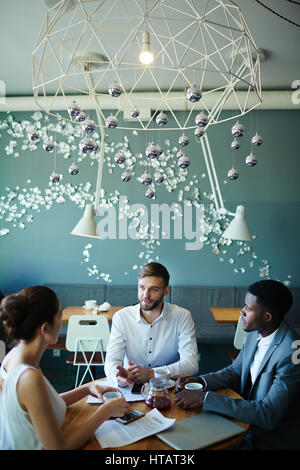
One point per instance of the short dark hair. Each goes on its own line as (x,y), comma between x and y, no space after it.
(155,269)
(273,295)
(22,313)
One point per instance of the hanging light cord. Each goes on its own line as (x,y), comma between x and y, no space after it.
(280,16)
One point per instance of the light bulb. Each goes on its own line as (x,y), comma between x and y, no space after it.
(146,56)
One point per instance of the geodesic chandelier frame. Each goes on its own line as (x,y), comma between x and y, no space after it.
(205,43)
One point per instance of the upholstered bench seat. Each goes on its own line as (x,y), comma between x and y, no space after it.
(197,299)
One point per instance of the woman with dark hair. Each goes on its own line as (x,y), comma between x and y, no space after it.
(3,335)
(32,412)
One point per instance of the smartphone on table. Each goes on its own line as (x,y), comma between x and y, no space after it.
(137,386)
(129,417)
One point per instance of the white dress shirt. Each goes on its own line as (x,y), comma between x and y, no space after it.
(263,345)
(168,341)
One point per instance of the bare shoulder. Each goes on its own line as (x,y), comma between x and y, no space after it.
(31,388)
(31,377)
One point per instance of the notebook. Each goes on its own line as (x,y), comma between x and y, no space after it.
(199,431)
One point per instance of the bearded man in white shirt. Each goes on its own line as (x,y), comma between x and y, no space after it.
(266,374)
(152,334)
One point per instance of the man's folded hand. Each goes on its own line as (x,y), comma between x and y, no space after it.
(190,398)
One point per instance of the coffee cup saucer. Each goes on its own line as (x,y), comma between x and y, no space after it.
(90,308)
(170,383)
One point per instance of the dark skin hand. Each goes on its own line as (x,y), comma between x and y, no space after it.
(189,398)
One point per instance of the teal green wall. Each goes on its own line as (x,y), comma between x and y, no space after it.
(45,251)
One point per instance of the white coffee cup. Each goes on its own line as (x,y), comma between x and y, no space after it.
(111,396)
(193,386)
(104,307)
(90,304)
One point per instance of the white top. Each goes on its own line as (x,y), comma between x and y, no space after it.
(263,345)
(16,430)
(168,341)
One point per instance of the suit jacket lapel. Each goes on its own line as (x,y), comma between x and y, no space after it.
(249,358)
(273,346)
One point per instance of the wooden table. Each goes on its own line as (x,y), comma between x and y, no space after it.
(69,311)
(78,412)
(226,315)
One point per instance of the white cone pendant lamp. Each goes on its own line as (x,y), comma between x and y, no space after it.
(238,229)
(87,226)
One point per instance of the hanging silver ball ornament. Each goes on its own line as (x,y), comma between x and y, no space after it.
(120,157)
(257,140)
(251,160)
(81,117)
(193,93)
(199,132)
(48,145)
(183,140)
(160,150)
(201,119)
(161,119)
(183,162)
(238,129)
(74,109)
(180,153)
(134,113)
(233,174)
(146,178)
(159,178)
(33,135)
(73,169)
(125,176)
(235,145)
(55,177)
(152,151)
(150,193)
(87,145)
(111,122)
(115,90)
(89,126)
(96,146)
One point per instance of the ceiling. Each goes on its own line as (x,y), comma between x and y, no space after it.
(21,22)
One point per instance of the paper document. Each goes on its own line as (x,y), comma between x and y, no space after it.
(126,392)
(114,434)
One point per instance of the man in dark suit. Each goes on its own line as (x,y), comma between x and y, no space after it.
(265,374)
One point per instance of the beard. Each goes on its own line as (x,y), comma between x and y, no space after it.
(153,305)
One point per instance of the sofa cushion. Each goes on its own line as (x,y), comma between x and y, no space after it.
(76,294)
(121,295)
(240,296)
(199,299)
